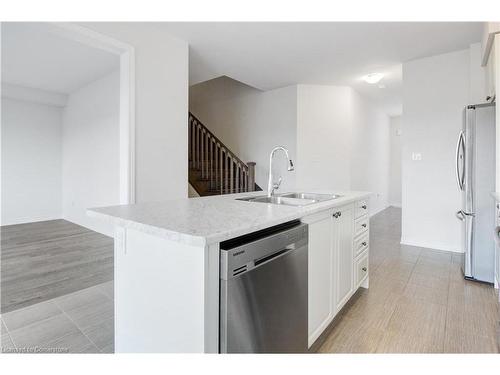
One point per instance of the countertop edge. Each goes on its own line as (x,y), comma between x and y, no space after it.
(202,241)
(188,239)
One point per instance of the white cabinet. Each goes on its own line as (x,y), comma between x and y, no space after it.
(361,208)
(343,225)
(361,269)
(336,267)
(320,293)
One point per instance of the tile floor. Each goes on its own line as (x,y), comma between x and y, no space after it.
(80,322)
(418,302)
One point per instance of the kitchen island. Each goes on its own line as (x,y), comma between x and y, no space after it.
(167,263)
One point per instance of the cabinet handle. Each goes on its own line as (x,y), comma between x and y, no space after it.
(340,213)
(364,269)
(363,243)
(337,214)
(363,225)
(363,207)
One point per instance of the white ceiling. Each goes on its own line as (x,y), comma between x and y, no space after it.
(272,55)
(34,56)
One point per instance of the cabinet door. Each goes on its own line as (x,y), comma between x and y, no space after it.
(320,276)
(343,255)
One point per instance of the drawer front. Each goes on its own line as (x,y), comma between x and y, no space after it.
(361,268)
(361,208)
(361,225)
(361,244)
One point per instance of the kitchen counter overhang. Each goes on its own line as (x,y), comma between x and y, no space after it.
(209,220)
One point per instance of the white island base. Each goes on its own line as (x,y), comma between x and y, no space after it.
(166,294)
(167,265)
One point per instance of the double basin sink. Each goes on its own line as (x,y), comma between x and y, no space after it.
(292,199)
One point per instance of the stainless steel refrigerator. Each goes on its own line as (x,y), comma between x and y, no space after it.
(475,172)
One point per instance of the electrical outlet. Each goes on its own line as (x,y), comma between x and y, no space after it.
(416,156)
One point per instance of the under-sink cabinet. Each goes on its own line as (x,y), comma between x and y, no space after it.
(338,261)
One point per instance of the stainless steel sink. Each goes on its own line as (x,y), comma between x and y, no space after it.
(292,199)
(313,196)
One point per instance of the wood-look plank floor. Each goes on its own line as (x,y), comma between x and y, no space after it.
(49,259)
(418,302)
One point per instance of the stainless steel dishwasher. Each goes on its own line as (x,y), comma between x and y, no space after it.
(263,291)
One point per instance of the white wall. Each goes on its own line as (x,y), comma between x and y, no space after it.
(31,162)
(342,143)
(337,139)
(161,108)
(477,74)
(435,90)
(32,95)
(250,122)
(324,137)
(57,162)
(395,162)
(161,97)
(370,151)
(91,164)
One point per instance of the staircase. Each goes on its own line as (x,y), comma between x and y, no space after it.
(213,168)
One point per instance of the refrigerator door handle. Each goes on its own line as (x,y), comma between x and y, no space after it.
(460,145)
(460,215)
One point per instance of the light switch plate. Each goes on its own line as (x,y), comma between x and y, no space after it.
(416,156)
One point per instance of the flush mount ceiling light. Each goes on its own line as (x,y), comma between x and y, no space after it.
(373,78)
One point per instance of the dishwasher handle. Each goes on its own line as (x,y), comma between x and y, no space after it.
(229,273)
(275,255)
(249,255)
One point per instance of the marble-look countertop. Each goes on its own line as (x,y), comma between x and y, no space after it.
(207,220)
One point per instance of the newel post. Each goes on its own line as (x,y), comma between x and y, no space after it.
(251,176)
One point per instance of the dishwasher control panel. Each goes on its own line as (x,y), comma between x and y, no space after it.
(244,253)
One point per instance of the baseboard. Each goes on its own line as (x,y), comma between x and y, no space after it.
(372,213)
(34,219)
(429,245)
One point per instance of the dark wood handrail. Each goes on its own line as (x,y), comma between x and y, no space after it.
(212,161)
(233,155)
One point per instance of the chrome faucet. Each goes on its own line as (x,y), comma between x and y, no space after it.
(271,186)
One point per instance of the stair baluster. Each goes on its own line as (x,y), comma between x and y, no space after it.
(213,168)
